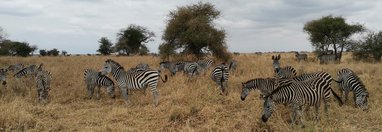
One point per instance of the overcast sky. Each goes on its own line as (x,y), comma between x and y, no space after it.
(251,25)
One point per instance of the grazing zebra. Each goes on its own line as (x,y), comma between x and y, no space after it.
(220,75)
(349,81)
(16,67)
(94,78)
(168,65)
(29,70)
(326,58)
(3,75)
(265,85)
(192,68)
(233,65)
(43,79)
(205,64)
(142,66)
(285,72)
(301,56)
(297,94)
(140,79)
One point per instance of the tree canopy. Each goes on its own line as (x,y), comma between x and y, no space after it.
(105,47)
(331,33)
(14,48)
(190,30)
(133,39)
(370,48)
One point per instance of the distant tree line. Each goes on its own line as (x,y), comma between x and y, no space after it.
(24,49)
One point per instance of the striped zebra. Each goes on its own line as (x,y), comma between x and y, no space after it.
(16,67)
(265,85)
(205,64)
(298,94)
(43,79)
(29,70)
(168,65)
(349,81)
(3,75)
(143,66)
(285,72)
(220,75)
(94,79)
(133,80)
(300,57)
(233,65)
(192,68)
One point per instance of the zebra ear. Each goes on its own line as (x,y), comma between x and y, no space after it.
(279,57)
(273,57)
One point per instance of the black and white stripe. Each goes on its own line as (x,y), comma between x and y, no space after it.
(220,75)
(29,70)
(94,79)
(349,81)
(43,80)
(3,75)
(300,57)
(282,72)
(171,66)
(143,66)
(297,94)
(192,68)
(233,65)
(265,85)
(133,80)
(16,67)
(205,64)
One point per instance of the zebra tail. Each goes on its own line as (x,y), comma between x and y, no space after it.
(165,78)
(338,81)
(337,97)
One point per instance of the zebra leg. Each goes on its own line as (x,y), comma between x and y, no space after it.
(90,91)
(294,114)
(155,98)
(317,106)
(300,113)
(110,91)
(345,94)
(98,92)
(125,95)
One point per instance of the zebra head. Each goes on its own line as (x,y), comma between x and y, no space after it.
(106,69)
(361,100)
(276,63)
(43,95)
(3,75)
(267,108)
(246,87)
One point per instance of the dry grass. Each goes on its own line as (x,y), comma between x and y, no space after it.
(183,106)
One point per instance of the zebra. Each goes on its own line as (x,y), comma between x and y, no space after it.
(326,58)
(205,64)
(168,65)
(133,80)
(285,72)
(301,56)
(29,70)
(142,66)
(233,65)
(15,67)
(349,81)
(297,94)
(43,79)
(3,75)
(265,85)
(94,78)
(192,68)
(220,75)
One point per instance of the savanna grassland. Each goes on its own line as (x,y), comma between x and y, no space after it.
(194,105)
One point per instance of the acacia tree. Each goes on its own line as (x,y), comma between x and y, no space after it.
(133,39)
(331,33)
(105,47)
(190,30)
(368,48)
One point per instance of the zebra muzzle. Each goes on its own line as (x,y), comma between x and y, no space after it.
(264,119)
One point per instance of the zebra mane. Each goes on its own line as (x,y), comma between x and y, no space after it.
(115,63)
(285,82)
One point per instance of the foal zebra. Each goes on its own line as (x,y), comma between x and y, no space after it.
(140,79)
(220,75)
(43,79)
(94,79)
(349,81)
(285,72)
(297,94)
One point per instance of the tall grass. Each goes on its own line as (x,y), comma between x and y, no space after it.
(184,105)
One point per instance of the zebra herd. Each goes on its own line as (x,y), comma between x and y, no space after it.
(42,78)
(307,89)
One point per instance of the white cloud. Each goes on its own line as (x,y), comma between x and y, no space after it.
(76,25)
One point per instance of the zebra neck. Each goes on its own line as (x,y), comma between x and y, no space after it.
(117,73)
